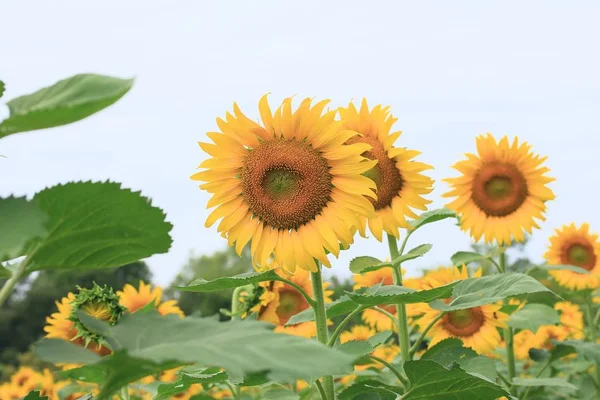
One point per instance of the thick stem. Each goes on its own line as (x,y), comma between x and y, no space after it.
(321,321)
(508,338)
(343,324)
(592,337)
(400,308)
(9,285)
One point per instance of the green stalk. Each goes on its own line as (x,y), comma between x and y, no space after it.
(396,372)
(592,337)
(400,308)
(415,346)
(321,320)
(9,285)
(508,338)
(343,324)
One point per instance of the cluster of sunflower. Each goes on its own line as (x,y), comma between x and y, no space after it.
(297,186)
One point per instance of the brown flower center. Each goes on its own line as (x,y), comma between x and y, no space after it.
(385,174)
(499,189)
(291,303)
(580,253)
(286,183)
(463,323)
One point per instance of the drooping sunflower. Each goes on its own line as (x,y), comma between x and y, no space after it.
(100,302)
(400,181)
(477,327)
(290,186)
(372,317)
(575,246)
(135,299)
(502,190)
(277,302)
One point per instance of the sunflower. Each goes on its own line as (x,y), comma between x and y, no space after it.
(99,302)
(399,179)
(135,299)
(276,302)
(291,187)
(9,391)
(575,246)
(477,327)
(357,332)
(501,191)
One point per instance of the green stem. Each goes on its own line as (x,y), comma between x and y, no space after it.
(235,302)
(592,337)
(124,393)
(321,389)
(9,285)
(400,308)
(299,288)
(498,267)
(415,347)
(343,324)
(541,371)
(321,321)
(395,371)
(387,314)
(508,338)
(503,379)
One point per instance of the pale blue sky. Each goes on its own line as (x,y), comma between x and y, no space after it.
(449,70)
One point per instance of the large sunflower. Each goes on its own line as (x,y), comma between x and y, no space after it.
(99,302)
(400,180)
(477,327)
(575,246)
(290,186)
(135,299)
(501,192)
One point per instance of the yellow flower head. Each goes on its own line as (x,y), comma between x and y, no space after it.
(400,180)
(575,246)
(501,191)
(135,299)
(290,186)
(358,332)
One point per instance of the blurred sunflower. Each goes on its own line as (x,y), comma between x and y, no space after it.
(575,246)
(385,276)
(100,302)
(502,190)
(357,332)
(399,179)
(277,302)
(9,391)
(291,187)
(135,299)
(477,327)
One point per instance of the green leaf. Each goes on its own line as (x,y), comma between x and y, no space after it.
(380,338)
(480,365)
(247,278)
(448,351)
(430,380)
(67,101)
(185,380)
(551,382)
(591,351)
(466,257)
(392,294)
(370,389)
(558,351)
(240,347)
(356,348)
(2,87)
(280,394)
(67,352)
(532,316)
(21,221)
(474,292)
(432,216)
(359,263)
(573,268)
(97,225)
(416,252)
(343,305)
(35,395)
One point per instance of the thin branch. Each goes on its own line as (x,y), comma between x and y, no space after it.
(299,288)
(415,346)
(395,371)
(321,389)
(343,324)
(387,314)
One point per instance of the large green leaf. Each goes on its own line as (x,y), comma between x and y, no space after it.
(341,306)
(21,221)
(545,382)
(474,292)
(370,389)
(532,316)
(67,101)
(392,294)
(432,216)
(430,380)
(96,225)
(145,343)
(451,350)
(465,257)
(35,395)
(67,352)
(357,264)
(359,348)
(187,379)
(589,350)
(247,278)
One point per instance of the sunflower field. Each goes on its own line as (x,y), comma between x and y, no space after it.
(294,187)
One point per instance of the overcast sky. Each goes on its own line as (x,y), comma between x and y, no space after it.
(449,70)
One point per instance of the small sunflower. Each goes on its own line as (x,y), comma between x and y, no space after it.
(291,187)
(575,246)
(399,179)
(357,332)
(135,299)
(502,190)
(25,379)
(100,302)
(276,302)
